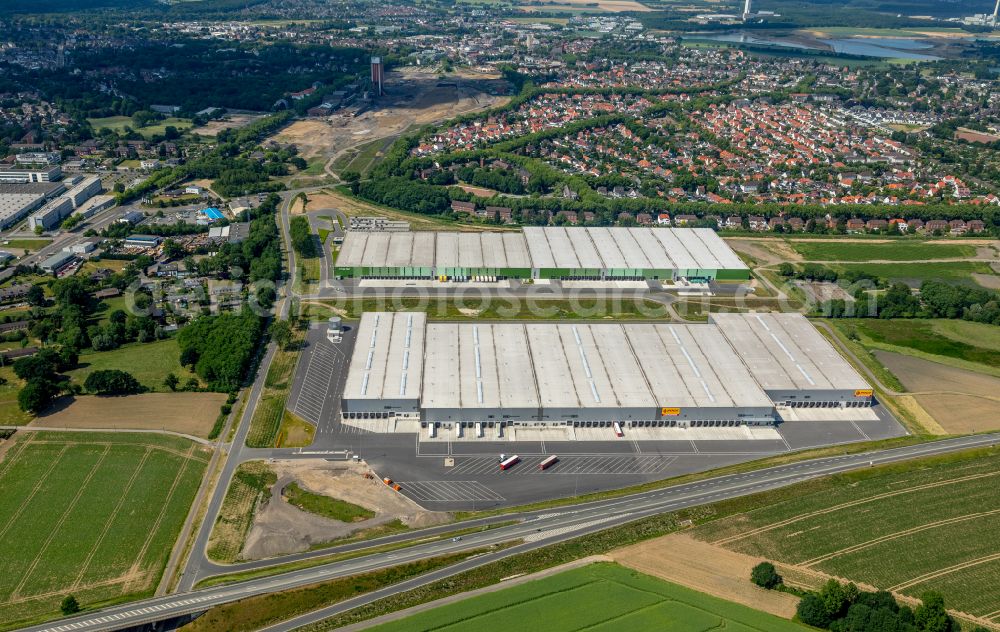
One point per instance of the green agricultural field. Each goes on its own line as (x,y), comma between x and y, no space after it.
(148,362)
(835,250)
(956,339)
(598,598)
(914,274)
(907,528)
(89,514)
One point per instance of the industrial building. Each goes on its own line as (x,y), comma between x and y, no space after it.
(592,374)
(50,173)
(52,214)
(794,364)
(696,254)
(17,201)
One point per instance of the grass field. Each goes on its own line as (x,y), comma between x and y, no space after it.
(907,528)
(10,413)
(833,250)
(119,123)
(148,362)
(600,597)
(960,340)
(497,309)
(251,486)
(325,506)
(25,244)
(95,515)
(294,432)
(913,273)
(269,415)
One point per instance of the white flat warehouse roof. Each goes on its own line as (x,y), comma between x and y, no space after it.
(544,247)
(388,361)
(531,365)
(785,351)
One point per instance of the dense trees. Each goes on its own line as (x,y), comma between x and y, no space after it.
(844,608)
(219,348)
(765,575)
(302,238)
(406,194)
(42,379)
(112,382)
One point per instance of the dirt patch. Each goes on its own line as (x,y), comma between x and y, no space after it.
(960,401)
(187,413)
(232,121)
(308,135)
(765,251)
(477,191)
(989,281)
(681,559)
(280,528)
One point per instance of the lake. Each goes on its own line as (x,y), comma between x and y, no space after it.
(891,47)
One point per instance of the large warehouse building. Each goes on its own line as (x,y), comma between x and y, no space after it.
(696,254)
(730,372)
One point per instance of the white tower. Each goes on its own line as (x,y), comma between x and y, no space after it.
(747,8)
(995,10)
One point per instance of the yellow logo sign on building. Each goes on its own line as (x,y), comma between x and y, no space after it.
(669,412)
(864,392)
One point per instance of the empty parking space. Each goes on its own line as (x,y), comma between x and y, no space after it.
(315,387)
(449,491)
(477,467)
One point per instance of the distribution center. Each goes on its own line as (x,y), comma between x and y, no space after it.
(695,254)
(732,371)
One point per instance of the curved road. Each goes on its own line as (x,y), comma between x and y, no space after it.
(535,530)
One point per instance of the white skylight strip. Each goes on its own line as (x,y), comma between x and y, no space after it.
(406,360)
(479,368)
(576,334)
(694,367)
(368,363)
(586,365)
(364,385)
(371,345)
(784,348)
(804,374)
(760,320)
(475,335)
(707,391)
(402,384)
(479,390)
(593,390)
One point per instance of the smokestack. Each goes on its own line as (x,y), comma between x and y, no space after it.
(747,9)
(995,10)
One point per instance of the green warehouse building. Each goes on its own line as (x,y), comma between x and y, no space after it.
(607,254)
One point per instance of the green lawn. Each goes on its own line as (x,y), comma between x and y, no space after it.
(119,123)
(148,362)
(95,515)
(600,598)
(267,417)
(960,340)
(24,244)
(505,309)
(326,506)
(10,413)
(833,250)
(887,527)
(914,274)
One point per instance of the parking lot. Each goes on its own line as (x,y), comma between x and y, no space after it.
(319,383)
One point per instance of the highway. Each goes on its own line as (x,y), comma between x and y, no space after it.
(534,530)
